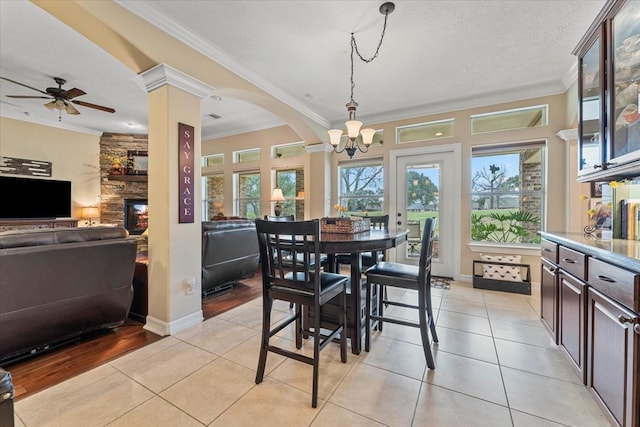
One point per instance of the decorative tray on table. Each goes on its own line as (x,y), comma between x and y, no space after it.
(347,225)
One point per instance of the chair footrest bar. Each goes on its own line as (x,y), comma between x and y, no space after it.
(288,353)
(396,321)
(284,323)
(400,304)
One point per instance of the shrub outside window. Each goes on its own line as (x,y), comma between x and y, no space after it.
(507,193)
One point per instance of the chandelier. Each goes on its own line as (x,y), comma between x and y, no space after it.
(358,139)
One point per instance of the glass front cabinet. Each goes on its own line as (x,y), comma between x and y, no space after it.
(609,94)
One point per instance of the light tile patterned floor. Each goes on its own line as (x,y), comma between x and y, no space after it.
(495,366)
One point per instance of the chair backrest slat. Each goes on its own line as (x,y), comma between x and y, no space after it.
(287,251)
(424,274)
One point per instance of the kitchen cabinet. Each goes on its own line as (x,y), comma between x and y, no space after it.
(598,323)
(609,94)
(613,357)
(549,288)
(572,320)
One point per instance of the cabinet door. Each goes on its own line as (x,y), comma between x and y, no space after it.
(572,322)
(613,347)
(624,117)
(591,125)
(549,298)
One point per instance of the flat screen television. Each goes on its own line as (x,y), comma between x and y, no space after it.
(34,198)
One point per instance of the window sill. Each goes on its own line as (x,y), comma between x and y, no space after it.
(506,249)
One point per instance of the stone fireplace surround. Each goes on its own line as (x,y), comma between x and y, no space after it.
(115,189)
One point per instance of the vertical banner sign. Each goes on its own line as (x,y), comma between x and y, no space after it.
(185,173)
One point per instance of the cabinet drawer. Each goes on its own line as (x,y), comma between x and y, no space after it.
(617,283)
(573,262)
(549,251)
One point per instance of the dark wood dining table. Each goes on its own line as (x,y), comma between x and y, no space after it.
(355,244)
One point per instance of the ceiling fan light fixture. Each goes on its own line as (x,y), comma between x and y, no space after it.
(50,105)
(70,109)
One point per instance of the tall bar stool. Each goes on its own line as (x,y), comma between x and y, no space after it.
(297,282)
(406,277)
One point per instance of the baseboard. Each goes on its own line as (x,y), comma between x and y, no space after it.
(162,328)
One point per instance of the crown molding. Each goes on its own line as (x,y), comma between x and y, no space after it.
(213,52)
(568,134)
(163,74)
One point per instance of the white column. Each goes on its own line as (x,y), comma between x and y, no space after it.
(174,248)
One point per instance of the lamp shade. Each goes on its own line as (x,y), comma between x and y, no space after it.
(90,212)
(353,128)
(277,196)
(334,136)
(367,135)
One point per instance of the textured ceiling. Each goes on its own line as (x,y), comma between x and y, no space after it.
(436,56)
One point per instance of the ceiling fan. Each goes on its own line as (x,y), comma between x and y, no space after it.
(62,99)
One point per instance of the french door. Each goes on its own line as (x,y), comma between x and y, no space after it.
(428,186)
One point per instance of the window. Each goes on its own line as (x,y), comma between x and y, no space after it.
(245,156)
(507,193)
(291,182)
(361,188)
(247,189)
(519,118)
(212,196)
(424,131)
(213,160)
(288,150)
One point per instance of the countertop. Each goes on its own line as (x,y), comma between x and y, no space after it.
(620,252)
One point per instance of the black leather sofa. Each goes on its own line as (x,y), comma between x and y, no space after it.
(57,285)
(229,253)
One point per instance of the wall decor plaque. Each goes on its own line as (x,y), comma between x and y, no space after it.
(186,163)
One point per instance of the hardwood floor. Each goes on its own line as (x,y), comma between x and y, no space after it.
(38,373)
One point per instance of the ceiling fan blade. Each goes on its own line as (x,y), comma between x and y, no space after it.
(22,84)
(72,93)
(29,97)
(97,107)
(70,109)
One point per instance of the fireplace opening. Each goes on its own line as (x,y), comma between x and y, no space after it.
(136,215)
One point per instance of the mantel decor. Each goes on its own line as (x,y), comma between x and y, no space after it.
(137,162)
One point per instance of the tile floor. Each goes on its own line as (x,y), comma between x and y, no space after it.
(495,366)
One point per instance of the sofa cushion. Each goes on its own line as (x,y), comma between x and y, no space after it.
(24,238)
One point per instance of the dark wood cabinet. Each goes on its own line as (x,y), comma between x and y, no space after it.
(549,298)
(549,288)
(609,94)
(572,320)
(613,358)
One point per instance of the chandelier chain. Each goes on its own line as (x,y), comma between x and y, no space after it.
(354,48)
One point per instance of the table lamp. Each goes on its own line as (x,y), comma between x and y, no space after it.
(89,213)
(277,196)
